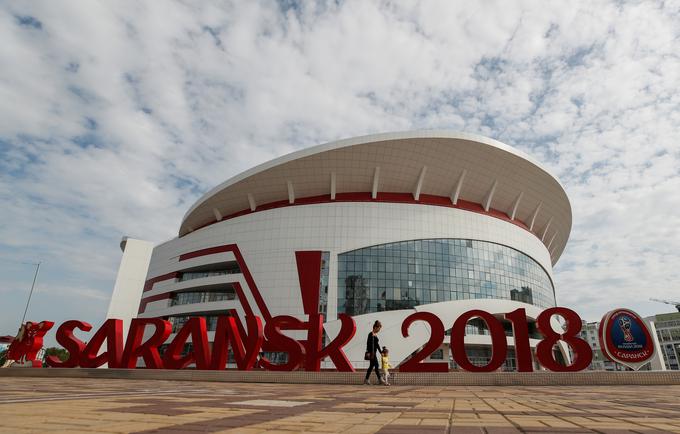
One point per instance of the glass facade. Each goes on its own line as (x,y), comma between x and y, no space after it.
(410,273)
(201,274)
(323,283)
(178,321)
(193,297)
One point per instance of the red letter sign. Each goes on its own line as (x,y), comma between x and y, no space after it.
(499,344)
(72,344)
(278,341)
(583,354)
(194,327)
(520,331)
(245,348)
(110,332)
(436,339)
(314,351)
(134,348)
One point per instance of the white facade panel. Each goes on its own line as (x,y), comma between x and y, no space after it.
(130,280)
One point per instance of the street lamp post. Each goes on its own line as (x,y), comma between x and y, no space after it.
(35,276)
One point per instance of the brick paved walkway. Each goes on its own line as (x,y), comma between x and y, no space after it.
(57,405)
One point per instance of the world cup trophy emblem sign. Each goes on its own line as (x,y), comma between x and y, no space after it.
(625,339)
(624,323)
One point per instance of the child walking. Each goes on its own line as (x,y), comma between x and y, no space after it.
(385,359)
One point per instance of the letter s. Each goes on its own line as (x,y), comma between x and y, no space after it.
(72,344)
(278,341)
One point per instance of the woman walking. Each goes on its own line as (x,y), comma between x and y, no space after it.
(373,346)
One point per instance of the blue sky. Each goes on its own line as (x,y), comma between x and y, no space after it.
(115,117)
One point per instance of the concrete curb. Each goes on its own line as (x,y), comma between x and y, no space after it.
(541,378)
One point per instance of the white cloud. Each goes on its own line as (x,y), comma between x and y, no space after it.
(115,117)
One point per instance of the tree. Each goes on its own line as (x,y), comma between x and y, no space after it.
(61,353)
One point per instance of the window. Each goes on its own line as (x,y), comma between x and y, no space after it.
(323,283)
(224,268)
(437,354)
(410,273)
(193,297)
(178,321)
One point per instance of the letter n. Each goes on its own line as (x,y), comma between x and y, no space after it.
(245,347)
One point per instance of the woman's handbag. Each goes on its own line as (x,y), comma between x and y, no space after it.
(367,356)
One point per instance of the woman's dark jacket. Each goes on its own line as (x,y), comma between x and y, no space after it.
(372,344)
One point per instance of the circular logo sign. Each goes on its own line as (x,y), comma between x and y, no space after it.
(625,339)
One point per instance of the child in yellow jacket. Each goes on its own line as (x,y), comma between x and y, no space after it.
(385,363)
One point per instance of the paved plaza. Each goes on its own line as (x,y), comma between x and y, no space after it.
(74,405)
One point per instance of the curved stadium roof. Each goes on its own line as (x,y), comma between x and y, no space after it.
(437,168)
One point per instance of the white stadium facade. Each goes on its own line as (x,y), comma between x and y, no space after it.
(388,224)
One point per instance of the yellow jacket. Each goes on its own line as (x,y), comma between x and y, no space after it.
(385,362)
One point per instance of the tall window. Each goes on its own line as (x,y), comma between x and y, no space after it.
(410,273)
(193,297)
(323,283)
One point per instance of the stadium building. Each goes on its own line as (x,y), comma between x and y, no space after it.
(377,227)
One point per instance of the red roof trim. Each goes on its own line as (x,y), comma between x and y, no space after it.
(425,199)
